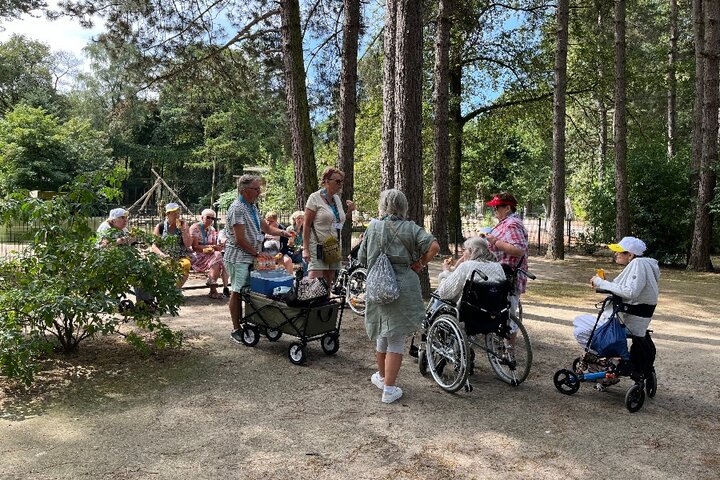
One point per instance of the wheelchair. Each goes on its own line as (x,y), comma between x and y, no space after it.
(350,283)
(638,363)
(481,319)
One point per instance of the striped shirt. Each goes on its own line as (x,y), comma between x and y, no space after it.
(247,215)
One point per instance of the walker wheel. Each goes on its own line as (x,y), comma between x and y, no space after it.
(296,353)
(566,382)
(250,335)
(330,343)
(272,334)
(651,384)
(635,397)
(575,364)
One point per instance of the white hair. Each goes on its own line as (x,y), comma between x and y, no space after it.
(208,211)
(478,249)
(246,180)
(394,203)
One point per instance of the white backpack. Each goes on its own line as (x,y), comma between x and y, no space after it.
(382,287)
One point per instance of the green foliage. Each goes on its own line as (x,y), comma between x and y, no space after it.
(659,202)
(63,289)
(38,152)
(25,73)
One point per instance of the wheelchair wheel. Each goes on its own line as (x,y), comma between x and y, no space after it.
(566,382)
(635,397)
(511,363)
(446,351)
(355,290)
(422,362)
(651,384)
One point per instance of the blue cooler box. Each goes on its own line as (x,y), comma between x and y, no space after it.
(264,282)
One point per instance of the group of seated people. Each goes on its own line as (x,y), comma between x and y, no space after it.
(200,246)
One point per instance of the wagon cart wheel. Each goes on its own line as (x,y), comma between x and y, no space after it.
(651,384)
(634,398)
(272,334)
(296,353)
(250,335)
(422,361)
(566,381)
(330,343)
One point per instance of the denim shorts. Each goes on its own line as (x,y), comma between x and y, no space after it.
(239,274)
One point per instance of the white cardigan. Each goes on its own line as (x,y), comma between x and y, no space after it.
(451,284)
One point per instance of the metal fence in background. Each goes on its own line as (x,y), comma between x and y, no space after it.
(14,237)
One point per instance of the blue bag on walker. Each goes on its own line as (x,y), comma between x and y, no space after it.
(610,339)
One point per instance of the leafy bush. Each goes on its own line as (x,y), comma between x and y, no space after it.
(63,289)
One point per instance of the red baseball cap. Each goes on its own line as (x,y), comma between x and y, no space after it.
(502,199)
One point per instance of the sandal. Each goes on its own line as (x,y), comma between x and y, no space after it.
(226,292)
(216,295)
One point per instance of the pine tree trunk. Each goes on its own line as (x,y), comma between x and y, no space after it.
(600,101)
(556,245)
(699,40)
(622,206)
(672,81)
(456,144)
(387,158)
(296,96)
(702,232)
(348,109)
(441,138)
(408,106)
(408,117)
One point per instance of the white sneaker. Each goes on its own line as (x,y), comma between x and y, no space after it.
(377,380)
(391,397)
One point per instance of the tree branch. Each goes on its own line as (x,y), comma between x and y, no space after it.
(191,63)
(510,103)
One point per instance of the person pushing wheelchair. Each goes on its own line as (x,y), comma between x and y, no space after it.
(637,286)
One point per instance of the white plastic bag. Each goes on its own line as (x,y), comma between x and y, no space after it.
(382,286)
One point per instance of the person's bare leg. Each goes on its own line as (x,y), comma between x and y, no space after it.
(380,359)
(235,305)
(214,272)
(393,361)
(287,261)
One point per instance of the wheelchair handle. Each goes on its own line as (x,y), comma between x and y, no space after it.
(480,274)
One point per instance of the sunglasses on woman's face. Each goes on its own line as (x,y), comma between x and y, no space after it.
(209,218)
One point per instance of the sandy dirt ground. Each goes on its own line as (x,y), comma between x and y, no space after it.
(216,409)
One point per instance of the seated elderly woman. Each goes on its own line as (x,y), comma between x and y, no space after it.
(180,251)
(275,244)
(476,257)
(296,240)
(114,229)
(208,253)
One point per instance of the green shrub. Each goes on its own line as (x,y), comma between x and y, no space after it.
(62,289)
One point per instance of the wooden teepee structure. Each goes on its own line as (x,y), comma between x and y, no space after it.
(159,183)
